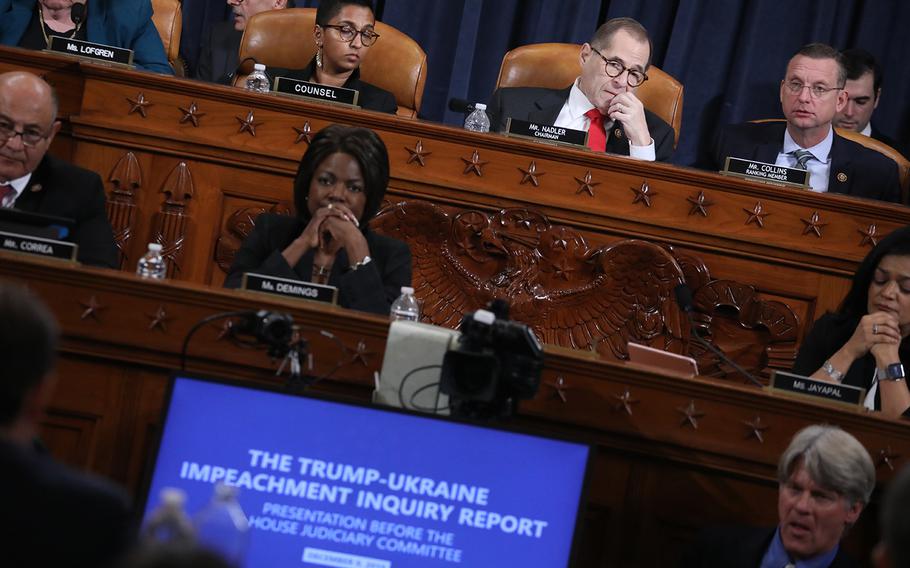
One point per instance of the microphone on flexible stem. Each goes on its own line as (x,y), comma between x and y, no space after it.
(77,13)
(460,105)
(684,299)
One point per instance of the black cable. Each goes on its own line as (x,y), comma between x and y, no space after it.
(404,380)
(198,325)
(435,408)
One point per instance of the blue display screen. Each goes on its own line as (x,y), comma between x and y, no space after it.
(331,484)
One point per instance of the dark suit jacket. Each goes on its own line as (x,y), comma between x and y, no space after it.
(542,106)
(882,137)
(64,190)
(371,288)
(218,60)
(371,97)
(55,516)
(121,23)
(738,547)
(855,169)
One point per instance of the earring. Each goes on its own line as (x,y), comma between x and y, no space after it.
(319,57)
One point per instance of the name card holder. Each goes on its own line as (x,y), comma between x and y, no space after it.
(289,288)
(835,394)
(95,52)
(767,173)
(314,91)
(547,134)
(37,246)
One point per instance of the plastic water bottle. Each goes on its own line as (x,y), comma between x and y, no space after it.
(478,121)
(152,265)
(222,527)
(258,81)
(406,306)
(169,524)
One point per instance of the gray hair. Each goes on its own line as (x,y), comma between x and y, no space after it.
(834,459)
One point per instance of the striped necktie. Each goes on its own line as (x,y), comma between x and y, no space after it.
(802,158)
(7,195)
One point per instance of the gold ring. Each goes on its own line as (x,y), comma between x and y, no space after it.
(874,329)
(329,206)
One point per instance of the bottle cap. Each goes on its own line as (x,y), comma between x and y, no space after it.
(173,496)
(155,247)
(259,67)
(407,290)
(480,106)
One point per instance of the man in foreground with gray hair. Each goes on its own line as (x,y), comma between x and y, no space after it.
(826,478)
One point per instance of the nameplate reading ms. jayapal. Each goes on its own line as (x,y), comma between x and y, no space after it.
(47,248)
(769,173)
(337,95)
(96,51)
(290,288)
(821,391)
(546,133)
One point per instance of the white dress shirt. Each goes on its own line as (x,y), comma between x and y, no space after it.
(819,164)
(867,131)
(19,185)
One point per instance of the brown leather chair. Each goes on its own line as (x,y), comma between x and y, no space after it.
(284,38)
(168,19)
(556,65)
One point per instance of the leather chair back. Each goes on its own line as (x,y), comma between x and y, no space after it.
(284,39)
(168,19)
(556,65)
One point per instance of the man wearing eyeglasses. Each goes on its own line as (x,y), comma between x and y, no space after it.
(811,93)
(32,180)
(602,99)
(218,60)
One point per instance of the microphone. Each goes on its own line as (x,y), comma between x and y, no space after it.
(460,105)
(77,13)
(684,298)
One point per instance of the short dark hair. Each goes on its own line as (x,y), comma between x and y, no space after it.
(894,520)
(856,302)
(858,62)
(825,51)
(604,34)
(28,347)
(363,145)
(328,9)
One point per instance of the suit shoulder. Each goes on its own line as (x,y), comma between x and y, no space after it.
(868,156)
(72,176)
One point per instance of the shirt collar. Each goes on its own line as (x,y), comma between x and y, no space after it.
(578,103)
(867,131)
(776,556)
(820,151)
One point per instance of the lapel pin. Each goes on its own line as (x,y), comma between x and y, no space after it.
(617,132)
(841,177)
(36,188)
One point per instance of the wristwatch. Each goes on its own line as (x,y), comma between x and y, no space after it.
(832,372)
(894,372)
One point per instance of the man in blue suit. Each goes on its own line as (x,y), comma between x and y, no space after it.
(120,23)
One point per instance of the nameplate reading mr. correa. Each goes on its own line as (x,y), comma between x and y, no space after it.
(546,133)
(97,51)
(761,171)
(337,95)
(290,288)
(822,391)
(28,244)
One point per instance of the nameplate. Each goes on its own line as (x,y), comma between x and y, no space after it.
(770,173)
(290,288)
(95,51)
(820,391)
(337,95)
(47,248)
(546,133)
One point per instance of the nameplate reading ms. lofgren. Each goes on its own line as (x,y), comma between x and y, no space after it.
(47,248)
(290,288)
(761,171)
(546,133)
(97,51)
(338,95)
(822,391)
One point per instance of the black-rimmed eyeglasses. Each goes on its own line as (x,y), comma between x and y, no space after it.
(30,137)
(347,32)
(615,68)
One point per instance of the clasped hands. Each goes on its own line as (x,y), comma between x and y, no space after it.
(877,333)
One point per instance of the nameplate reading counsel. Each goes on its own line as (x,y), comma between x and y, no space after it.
(338,95)
(95,51)
(38,246)
(771,173)
(290,288)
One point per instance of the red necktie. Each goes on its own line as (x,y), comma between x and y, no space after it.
(597,136)
(6,192)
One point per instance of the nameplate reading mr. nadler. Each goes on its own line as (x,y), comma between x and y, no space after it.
(290,288)
(91,50)
(338,95)
(36,245)
(546,133)
(823,391)
(766,172)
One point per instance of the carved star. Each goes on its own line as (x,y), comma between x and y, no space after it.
(643,194)
(700,204)
(870,236)
(756,215)
(191,114)
(586,184)
(561,268)
(559,388)
(531,174)
(813,225)
(139,105)
(304,134)
(756,429)
(560,241)
(417,154)
(474,164)
(522,219)
(361,354)
(887,457)
(690,415)
(248,124)
(159,319)
(624,401)
(92,307)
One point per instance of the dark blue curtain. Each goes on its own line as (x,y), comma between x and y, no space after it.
(729,54)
